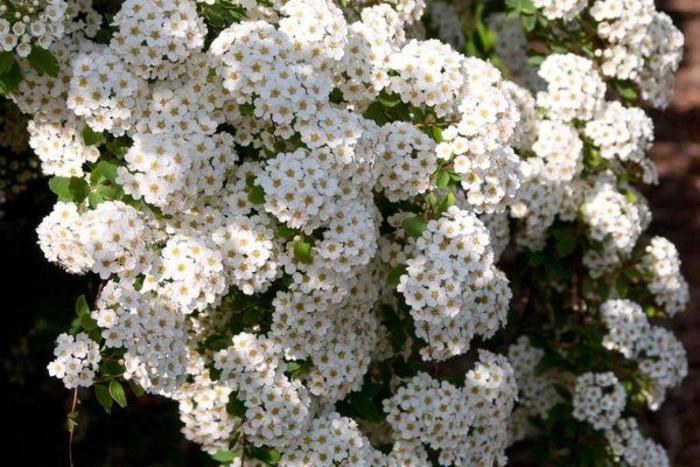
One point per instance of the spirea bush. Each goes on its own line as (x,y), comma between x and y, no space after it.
(382,233)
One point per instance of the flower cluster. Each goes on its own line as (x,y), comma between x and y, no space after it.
(599,399)
(660,356)
(24,23)
(467,425)
(666,283)
(298,211)
(77,360)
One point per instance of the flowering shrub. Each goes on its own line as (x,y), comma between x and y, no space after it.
(360,233)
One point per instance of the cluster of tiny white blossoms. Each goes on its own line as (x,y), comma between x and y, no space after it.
(24,23)
(536,393)
(467,425)
(666,282)
(560,9)
(661,358)
(599,399)
(284,207)
(77,360)
(452,286)
(629,446)
(154,38)
(642,45)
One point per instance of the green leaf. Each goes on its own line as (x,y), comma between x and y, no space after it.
(447,202)
(91,137)
(389,100)
(442,179)
(395,274)
(10,79)
(302,251)
(626,91)
(286,233)
(529,22)
(7,59)
(136,388)
(108,170)
(437,135)
(104,397)
(246,110)
(256,195)
(78,189)
(43,61)
(116,390)
(81,306)
(414,226)
(217,342)
(235,406)
(226,457)
(61,187)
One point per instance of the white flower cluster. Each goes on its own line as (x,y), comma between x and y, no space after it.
(599,399)
(24,23)
(152,331)
(467,425)
(276,407)
(536,393)
(114,238)
(407,163)
(627,444)
(154,38)
(666,284)
(575,89)
(615,221)
(267,176)
(642,46)
(172,172)
(560,9)
(660,356)
(452,286)
(202,405)
(77,360)
(60,147)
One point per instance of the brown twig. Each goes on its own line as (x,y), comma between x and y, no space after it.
(72,427)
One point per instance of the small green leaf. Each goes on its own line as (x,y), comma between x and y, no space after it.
(395,274)
(10,79)
(7,59)
(104,397)
(116,390)
(217,342)
(108,170)
(246,110)
(442,179)
(81,306)
(91,137)
(447,202)
(389,100)
(226,457)
(256,195)
(285,232)
(414,226)
(235,406)
(302,251)
(136,388)
(43,61)
(61,187)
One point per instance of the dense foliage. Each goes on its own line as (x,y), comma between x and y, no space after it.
(357,232)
